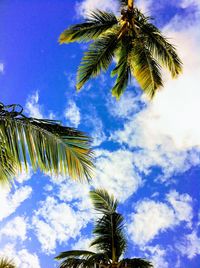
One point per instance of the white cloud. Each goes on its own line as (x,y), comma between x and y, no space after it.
(16,228)
(33,108)
(157,255)
(1,67)
(83,243)
(190,245)
(151,218)
(22,258)
(60,220)
(125,107)
(72,114)
(24,174)
(182,205)
(85,7)
(11,201)
(97,129)
(115,172)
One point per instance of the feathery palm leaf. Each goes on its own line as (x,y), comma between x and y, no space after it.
(145,69)
(97,58)
(103,202)
(136,263)
(46,143)
(110,34)
(122,69)
(97,23)
(109,239)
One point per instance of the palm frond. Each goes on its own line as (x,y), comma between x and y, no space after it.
(74,253)
(161,49)
(6,263)
(145,68)
(122,69)
(46,143)
(97,23)
(102,201)
(73,263)
(97,58)
(109,235)
(136,263)
(8,167)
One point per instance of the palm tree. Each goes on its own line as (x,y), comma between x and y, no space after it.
(109,240)
(6,263)
(136,44)
(46,144)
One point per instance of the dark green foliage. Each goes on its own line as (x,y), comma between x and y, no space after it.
(138,47)
(109,239)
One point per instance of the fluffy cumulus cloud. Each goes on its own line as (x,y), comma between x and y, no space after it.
(16,228)
(60,220)
(115,172)
(72,114)
(11,201)
(152,217)
(85,7)
(21,257)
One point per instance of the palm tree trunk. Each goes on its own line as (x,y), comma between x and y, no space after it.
(130,4)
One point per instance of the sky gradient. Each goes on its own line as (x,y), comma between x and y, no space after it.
(147,153)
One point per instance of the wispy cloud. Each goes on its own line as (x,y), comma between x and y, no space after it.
(33,108)
(1,67)
(72,114)
(11,201)
(85,7)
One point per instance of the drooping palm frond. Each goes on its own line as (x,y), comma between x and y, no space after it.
(162,50)
(136,263)
(74,253)
(97,23)
(109,235)
(46,143)
(7,263)
(145,69)
(97,58)
(135,25)
(103,202)
(122,69)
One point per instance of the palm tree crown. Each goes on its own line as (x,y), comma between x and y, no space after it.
(138,46)
(109,240)
(46,144)
(6,263)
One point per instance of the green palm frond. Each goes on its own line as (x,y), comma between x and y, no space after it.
(8,167)
(6,263)
(97,23)
(102,201)
(45,143)
(122,70)
(109,241)
(109,235)
(136,263)
(97,58)
(162,50)
(145,69)
(73,263)
(74,253)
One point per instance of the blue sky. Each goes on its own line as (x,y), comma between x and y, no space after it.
(147,153)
